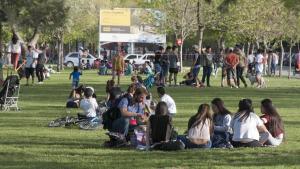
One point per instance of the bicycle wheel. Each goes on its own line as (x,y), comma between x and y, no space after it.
(58,122)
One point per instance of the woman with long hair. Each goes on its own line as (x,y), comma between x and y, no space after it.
(159,125)
(200,128)
(247,126)
(221,119)
(273,123)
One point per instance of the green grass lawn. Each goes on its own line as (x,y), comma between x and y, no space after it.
(27,142)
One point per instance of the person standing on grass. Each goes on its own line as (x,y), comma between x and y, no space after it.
(197,61)
(30,65)
(168,100)
(273,123)
(207,66)
(41,60)
(200,129)
(75,77)
(119,65)
(259,66)
(165,64)
(241,66)
(274,61)
(173,65)
(248,128)
(231,62)
(14,48)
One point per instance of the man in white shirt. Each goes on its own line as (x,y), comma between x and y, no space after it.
(259,66)
(168,100)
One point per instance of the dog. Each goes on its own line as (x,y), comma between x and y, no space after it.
(252,79)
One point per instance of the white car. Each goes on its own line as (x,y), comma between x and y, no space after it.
(148,57)
(72,59)
(132,57)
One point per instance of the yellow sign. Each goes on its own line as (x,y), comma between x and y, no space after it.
(116,17)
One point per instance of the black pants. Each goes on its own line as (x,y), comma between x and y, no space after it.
(240,76)
(254,143)
(206,74)
(39,72)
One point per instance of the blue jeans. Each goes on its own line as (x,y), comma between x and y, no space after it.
(196,71)
(121,125)
(188,144)
(206,74)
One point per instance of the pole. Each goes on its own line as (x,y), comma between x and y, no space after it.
(99,29)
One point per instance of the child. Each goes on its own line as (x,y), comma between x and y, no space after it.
(88,104)
(88,65)
(75,77)
(129,69)
(102,68)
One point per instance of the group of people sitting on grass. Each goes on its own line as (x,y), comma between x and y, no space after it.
(134,118)
(133,114)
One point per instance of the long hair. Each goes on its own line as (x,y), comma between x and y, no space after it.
(161,109)
(220,105)
(201,116)
(275,122)
(245,108)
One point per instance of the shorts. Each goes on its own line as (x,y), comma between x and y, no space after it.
(157,68)
(75,84)
(230,73)
(29,72)
(173,70)
(258,73)
(164,71)
(119,72)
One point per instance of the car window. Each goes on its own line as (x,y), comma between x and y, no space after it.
(74,55)
(150,57)
(89,56)
(139,56)
(131,57)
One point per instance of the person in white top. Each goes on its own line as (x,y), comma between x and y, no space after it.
(248,128)
(259,66)
(200,128)
(88,104)
(167,99)
(14,48)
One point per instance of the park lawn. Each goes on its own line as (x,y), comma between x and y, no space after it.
(27,142)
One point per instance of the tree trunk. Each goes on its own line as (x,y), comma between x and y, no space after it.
(248,48)
(281,58)
(181,49)
(60,53)
(200,27)
(200,36)
(290,59)
(35,37)
(1,56)
(69,47)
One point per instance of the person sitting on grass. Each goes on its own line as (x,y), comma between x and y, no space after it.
(128,68)
(130,110)
(75,77)
(248,128)
(221,119)
(273,123)
(102,68)
(168,100)
(88,65)
(88,104)
(109,86)
(189,79)
(200,128)
(159,126)
(74,98)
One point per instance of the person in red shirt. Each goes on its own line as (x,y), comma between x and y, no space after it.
(273,123)
(231,61)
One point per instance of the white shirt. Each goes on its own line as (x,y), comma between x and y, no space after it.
(30,57)
(14,48)
(89,106)
(170,103)
(246,130)
(251,58)
(201,131)
(259,67)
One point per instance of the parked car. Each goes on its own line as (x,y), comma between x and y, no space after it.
(148,57)
(132,57)
(72,59)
